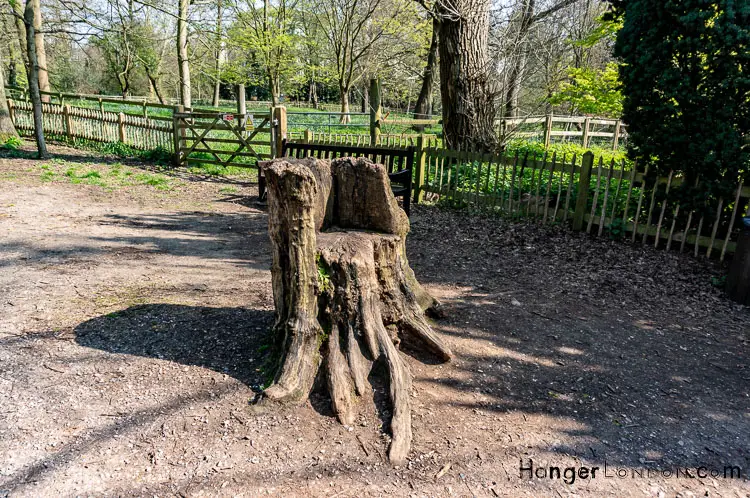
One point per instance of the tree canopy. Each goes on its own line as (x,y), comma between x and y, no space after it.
(686,86)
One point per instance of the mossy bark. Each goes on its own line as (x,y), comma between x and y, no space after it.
(341,221)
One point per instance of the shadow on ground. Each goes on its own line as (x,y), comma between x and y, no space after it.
(631,351)
(233,341)
(240,238)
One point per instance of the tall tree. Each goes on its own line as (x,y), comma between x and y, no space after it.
(41,51)
(36,98)
(17,12)
(352,29)
(264,34)
(465,90)
(685,68)
(183,61)
(423,106)
(219,51)
(7,129)
(527,16)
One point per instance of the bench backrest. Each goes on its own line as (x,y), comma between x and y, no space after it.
(393,159)
(399,162)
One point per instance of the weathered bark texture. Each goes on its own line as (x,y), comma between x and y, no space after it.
(36,99)
(468,101)
(342,286)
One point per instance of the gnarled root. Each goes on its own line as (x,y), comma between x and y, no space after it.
(368,289)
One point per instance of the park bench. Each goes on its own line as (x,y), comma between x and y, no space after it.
(398,162)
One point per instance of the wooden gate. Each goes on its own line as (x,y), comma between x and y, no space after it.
(222,139)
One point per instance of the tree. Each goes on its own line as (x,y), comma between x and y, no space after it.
(219,52)
(264,34)
(352,28)
(465,89)
(36,98)
(423,107)
(7,128)
(347,294)
(183,61)
(41,51)
(684,68)
(526,18)
(591,91)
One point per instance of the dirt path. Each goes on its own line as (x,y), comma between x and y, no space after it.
(133,333)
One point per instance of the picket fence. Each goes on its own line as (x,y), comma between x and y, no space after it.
(601,198)
(65,121)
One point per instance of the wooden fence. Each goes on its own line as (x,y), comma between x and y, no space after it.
(603,199)
(395,140)
(585,130)
(223,139)
(69,122)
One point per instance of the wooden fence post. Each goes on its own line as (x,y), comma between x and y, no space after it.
(548,131)
(278,119)
(178,133)
(420,169)
(121,127)
(584,179)
(308,136)
(101,115)
(375,111)
(616,139)
(586,126)
(241,104)
(67,122)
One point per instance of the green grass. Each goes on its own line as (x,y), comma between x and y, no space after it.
(108,177)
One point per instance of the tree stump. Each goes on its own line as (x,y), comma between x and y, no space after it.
(344,293)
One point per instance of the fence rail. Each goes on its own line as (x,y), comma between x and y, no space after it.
(142,133)
(551,128)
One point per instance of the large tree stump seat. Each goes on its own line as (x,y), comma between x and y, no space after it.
(344,293)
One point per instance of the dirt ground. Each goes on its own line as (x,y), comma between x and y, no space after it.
(134,330)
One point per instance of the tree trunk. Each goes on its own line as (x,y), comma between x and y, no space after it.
(515,77)
(36,98)
(219,53)
(154,84)
(14,54)
(514,85)
(423,107)
(183,63)
(468,102)
(274,86)
(7,128)
(41,51)
(345,118)
(365,95)
(343,290)
(21,34)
